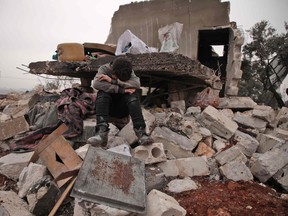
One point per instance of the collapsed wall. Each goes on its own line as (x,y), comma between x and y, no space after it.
(206,25)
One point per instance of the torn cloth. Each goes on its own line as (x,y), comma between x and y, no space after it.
(73,107)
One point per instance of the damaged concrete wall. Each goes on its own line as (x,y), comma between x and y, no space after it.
(145,18)
(205,23)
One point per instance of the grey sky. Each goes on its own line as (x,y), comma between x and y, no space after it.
(30,30)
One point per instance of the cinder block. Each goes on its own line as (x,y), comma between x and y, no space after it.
(151,153)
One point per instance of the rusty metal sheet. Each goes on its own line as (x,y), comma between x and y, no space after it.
(112,179)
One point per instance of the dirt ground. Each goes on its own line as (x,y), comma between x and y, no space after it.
(212,198)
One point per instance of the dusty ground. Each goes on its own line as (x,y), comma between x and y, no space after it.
(213,198)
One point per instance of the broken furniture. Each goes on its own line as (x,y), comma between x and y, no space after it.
(58,156)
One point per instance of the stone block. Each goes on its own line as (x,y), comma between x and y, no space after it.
(236,171)
(267,164)
(88,131)
(151,154)
(169,144)
(181,185)
(13,127)
(263,112)
(230,154)
(29,176)
(249,121)
(217,123)
(42,196)
(282,177)
(184,167)
(246,143)
(161,204)
(280,133)
(193,111)
(11,165)
(155,178)
(237,103)
(204,150)
(13,204)
(178,106)
(267,142)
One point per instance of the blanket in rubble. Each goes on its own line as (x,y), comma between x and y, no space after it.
(73,107)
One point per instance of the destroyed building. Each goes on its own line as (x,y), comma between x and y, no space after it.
(234,139)
(194,65)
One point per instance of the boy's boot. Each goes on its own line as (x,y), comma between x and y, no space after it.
(101,136)
(143,137)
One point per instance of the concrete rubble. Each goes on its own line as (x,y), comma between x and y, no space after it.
(190,142)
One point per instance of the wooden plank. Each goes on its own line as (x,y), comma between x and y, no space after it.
(62,197)
(51,138)
(66,153)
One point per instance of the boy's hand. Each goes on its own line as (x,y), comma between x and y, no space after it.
(130,90)
(105,78)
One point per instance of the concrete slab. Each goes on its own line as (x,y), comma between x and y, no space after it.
(112,179)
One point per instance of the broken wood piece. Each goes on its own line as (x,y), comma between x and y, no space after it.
(47,141)
(68,173)
(57,155)
(62,197)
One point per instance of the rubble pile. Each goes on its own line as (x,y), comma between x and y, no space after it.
(239,140)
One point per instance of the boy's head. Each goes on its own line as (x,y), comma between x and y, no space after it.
(122,68)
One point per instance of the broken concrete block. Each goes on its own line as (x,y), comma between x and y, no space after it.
(204,150)
(205,132)
(12,164)
(151,154)
(155,178)
(22,106)
(269,163)
(218,145)
(170,143)
(282,177)
(281,117)
(13,204)
(230,154)
(217,123)
(178,106)
(184,142)
(280,133)
(42,196)
(236,171)
(3,211)
(193,111)
(161,204)
(227,112)
(85,208)
(122,149)
(81,152)
(181,185)
(267,142)
(29,176)
(128,133)
(10,128)
(246,143)
(193,166)
(88,131)
(238,103)
(114,141)
(249,121)
(4,117)
(263,112)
